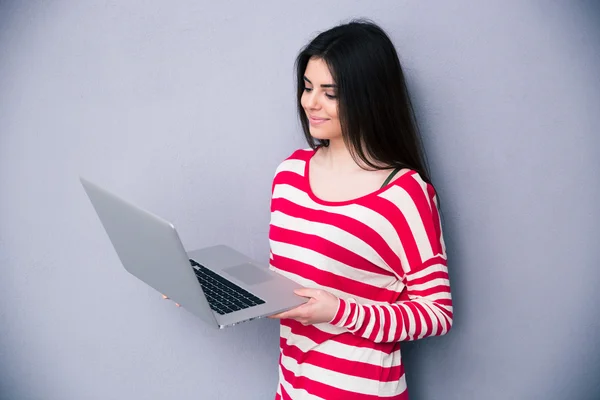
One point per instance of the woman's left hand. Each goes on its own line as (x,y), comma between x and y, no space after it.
(321,307)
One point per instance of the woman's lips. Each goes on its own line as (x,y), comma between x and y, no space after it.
(317,120)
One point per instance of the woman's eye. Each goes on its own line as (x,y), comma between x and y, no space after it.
(328,95)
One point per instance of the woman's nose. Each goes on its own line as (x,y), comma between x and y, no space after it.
(312,101)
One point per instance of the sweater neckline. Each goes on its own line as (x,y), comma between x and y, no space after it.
(318,200)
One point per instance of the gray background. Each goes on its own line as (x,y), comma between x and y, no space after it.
(187,107)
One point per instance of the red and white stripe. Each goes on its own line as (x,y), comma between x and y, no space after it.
(384,257)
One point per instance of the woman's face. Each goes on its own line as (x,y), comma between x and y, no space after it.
(320,102)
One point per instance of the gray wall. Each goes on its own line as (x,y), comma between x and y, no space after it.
(186,108)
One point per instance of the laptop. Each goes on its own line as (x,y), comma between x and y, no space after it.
(218,284)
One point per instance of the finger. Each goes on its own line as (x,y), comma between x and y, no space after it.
(306,292)
(276,316)
(165,296)
(279,316)
(178,305)
(292,314)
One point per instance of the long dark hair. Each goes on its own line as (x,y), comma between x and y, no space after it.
(376,115)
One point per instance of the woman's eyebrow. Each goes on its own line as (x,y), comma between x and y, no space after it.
(323,86)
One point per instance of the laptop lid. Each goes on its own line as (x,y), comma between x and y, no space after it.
(145,244)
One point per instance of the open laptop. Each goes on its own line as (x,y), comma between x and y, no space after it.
(218,284)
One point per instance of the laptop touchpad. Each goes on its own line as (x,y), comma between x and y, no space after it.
(249,274)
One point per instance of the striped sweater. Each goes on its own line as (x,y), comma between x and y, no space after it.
(383,256)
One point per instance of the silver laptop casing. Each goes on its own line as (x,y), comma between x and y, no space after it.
(150,249)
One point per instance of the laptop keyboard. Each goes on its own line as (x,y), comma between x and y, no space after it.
(223,296)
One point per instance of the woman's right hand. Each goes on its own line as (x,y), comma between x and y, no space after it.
(167,298)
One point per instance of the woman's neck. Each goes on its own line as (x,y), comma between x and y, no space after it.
(337,157)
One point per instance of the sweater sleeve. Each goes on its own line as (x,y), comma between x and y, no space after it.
(425,308)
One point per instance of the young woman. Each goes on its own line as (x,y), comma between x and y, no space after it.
(354,221)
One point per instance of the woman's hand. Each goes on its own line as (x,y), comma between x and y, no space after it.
(167,298)
(321,307)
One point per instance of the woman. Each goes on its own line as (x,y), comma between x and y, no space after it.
(354,220)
